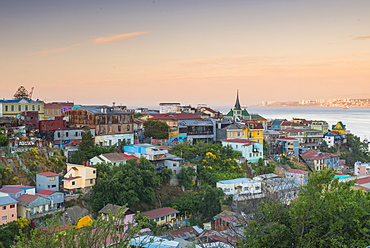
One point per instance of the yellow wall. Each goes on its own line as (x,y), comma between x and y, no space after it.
(12,109)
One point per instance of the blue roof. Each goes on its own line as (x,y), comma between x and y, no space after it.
(18,100)
(5,200)
(238,180)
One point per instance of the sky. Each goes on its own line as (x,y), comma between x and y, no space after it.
(141,53)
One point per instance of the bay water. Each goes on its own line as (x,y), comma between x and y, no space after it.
(356,119)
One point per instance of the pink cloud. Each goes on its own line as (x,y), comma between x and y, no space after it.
(57,50)
(117,37)
(362,38)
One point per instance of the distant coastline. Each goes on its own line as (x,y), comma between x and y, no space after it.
(342,103)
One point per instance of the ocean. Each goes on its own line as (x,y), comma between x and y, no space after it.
(357,120)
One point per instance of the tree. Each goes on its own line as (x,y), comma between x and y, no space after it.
(3,139)
(103,232)
(127,183)
(156,129)
(21,93)
(186,176)
(327,213)
(87,149)
(166,175)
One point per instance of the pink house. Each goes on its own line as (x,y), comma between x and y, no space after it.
(128,220)
(8,209)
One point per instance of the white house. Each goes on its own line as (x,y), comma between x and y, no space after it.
(241,188)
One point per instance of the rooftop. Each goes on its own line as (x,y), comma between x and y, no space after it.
(47,174)
(156,213)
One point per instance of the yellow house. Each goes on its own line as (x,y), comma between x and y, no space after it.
(162,216)
(236,131)
(255,132)
(10,108)
(79,177)
(339,127)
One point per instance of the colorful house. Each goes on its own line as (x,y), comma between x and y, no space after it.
(250,150)
(111,158)
(10,108)
(255,131)
(320,160)
(79,177)
(340,128)
(56,198)
(30,205)
(299,177)
(47,181)
(128,219)
(162,216)
(8,209)
(235,131)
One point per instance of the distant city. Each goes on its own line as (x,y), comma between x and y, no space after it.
(343,103)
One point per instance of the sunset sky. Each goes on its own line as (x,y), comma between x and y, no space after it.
(140,53)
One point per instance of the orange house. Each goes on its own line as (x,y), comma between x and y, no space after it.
(8,209)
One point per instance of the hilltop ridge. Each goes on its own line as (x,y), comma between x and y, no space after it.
(343,103)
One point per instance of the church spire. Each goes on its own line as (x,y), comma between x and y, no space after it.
(237,103)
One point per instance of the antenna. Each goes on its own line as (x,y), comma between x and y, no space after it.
(30,94)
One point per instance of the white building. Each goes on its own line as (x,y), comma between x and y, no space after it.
(241,188)
(165,108)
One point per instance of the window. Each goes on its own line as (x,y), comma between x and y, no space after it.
(51,111)
(58,134)
(91,181)
(246,188)
(46,111)
(38,107)
(51,178)
(26,107)
(119,128)
(4,207)
(76,134)
(19,107)
(4,218)
(66,134)
(128,127)
(257,188)
(12,108)
(12,206)
(53,186)
(94,171)
(73,182)
(6,108)
(33,108)
(174,165)
(57,111)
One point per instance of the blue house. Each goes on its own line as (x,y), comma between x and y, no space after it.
(47,181)
(288,146)
(56,198)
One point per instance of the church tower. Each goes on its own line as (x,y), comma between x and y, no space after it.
(237,113)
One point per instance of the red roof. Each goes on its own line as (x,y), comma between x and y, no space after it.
(175,116)
(26,199)
(245,141)
(318,155)
(363,180)
(47,174)
(129,157)
(288,138)
(46,192)
(297,171)
(156,213)
(70,178)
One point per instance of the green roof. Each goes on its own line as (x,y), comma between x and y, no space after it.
(245,113)
(231,113)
